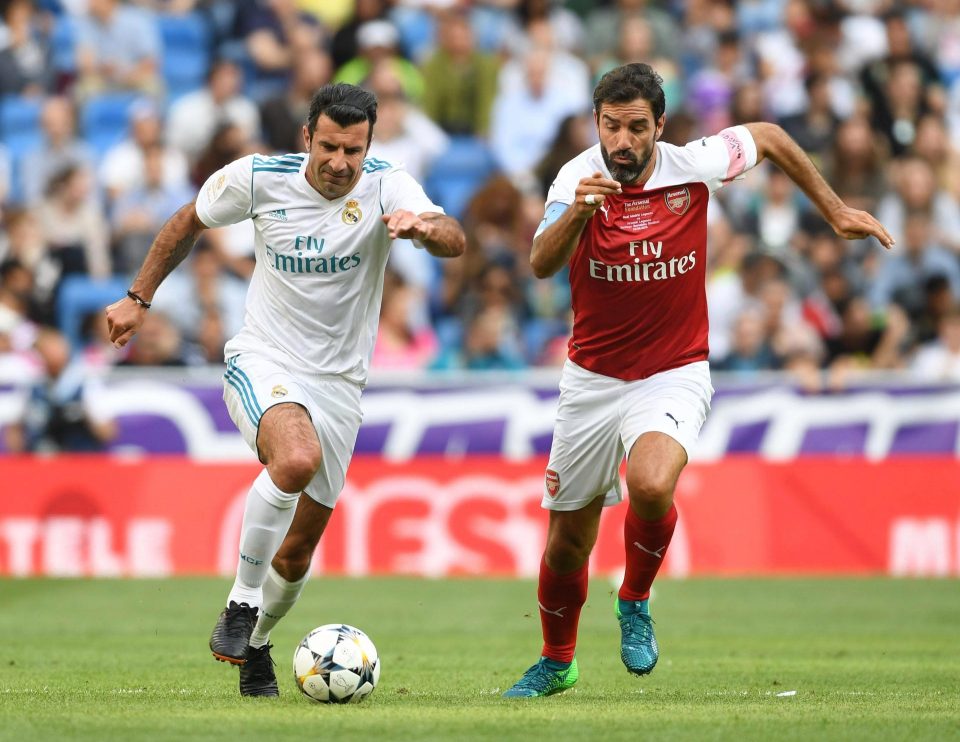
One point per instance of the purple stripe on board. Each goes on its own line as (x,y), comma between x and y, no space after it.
(926,438)
(463,438)
(838,440)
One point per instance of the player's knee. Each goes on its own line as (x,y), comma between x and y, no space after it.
(293,470)
(650,490)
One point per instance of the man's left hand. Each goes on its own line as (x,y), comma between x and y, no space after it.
(852,224)
(407,226)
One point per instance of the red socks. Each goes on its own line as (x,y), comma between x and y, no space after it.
(560,597)
(646,543)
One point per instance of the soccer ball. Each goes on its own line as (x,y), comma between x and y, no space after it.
(336,663)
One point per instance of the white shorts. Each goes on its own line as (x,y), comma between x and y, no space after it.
(254,383)
(599,418)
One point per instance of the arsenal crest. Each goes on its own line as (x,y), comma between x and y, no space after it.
(553,482)
(351,212)
(678,200)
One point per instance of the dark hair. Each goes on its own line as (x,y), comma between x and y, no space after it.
(629,82)
(345,104)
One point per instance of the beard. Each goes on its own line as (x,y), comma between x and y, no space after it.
(625,173)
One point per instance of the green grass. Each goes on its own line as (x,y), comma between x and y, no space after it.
(127,660)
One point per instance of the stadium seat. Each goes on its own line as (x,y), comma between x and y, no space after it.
(20,124)
(104,120)
(63,45)
(417,29)
(186,52)
(457,174)
(78,296)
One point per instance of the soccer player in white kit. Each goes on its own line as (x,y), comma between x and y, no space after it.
(629,217)
(324,223)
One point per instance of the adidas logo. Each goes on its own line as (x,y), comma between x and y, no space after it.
(279,215)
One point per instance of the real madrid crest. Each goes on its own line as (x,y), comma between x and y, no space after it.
(351,213)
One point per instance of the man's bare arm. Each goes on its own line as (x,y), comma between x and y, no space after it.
(440,234)
(171,245)
(553,247)
(776,145)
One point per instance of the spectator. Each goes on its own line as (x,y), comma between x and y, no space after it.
(815,128)
(866,341)
(283,115)
(73,225)
(490,343)
(140,212)
(897,110)
(122,168)
(228,143)
(404,340)
(777,214)
(205,303)
(25,61)
(750,349)
(344,45)
(576,133)
(856,165)
(520,142)
(710,90)
(60,148)
(274,33)
(377,43)
(902,85)
(604,24)
(915,191)
(933,145)
(18,305)
(404,133)
(194,117)
(460,82)
(565,26)
(566,75)
(636,43)
(26,246)
(59,414)
(918,257)
(118,48)
(939,361)
(938,302)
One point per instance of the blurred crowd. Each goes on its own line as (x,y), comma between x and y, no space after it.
(113,113)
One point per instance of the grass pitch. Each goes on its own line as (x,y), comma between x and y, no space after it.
(744,659)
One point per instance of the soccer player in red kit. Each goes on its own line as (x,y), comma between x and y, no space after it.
(629,217)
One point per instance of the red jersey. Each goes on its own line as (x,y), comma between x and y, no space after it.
(638,274)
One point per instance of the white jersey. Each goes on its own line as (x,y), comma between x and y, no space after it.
(314,299)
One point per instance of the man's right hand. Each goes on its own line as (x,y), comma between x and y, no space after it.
(124,318)
(597,188)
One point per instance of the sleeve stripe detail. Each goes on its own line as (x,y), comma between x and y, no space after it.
(276,170)
(372,165)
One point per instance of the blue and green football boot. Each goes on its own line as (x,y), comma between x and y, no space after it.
(544,679)
(638,645)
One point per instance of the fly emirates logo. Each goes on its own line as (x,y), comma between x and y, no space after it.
(639,270)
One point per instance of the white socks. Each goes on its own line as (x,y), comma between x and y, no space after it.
(279,596)
(266,518)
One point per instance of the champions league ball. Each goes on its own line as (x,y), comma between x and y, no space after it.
(336,663)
